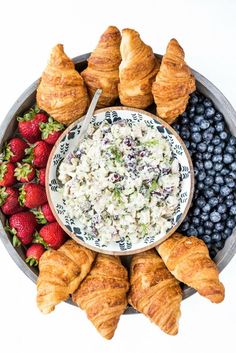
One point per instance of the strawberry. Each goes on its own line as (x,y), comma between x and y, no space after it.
(41,174)
(29,124)
(38,154)
(7,174)
(51,130)
(32,195)
(33,254)
(14,150)
(9,200)
(51,235)
(22,226)
(24,172)
(44,214)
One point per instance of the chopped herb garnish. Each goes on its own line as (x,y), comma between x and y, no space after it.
(150,143)
(116,154)
(144,228)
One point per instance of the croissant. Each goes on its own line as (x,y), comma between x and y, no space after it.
(103,67)
(187,258)
(103,294)
(174,83)
(138,70)
(61,91)
(60,273)
(154,291)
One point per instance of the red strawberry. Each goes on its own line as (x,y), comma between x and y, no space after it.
(51,130)
(32,195)
(7,174)
(14,150)
(33,254)
(22,226)
(38,154)
(51,235)
(29,125)
(24,172)
(44,214)
(41,175)
(9,200)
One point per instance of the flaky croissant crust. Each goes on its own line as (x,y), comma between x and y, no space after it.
(188,260)
(61,91)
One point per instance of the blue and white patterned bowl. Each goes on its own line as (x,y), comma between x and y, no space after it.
(68,141)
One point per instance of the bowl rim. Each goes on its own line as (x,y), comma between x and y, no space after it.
(222,258)
(144,248)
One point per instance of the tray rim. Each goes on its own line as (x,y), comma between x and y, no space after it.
(201,83)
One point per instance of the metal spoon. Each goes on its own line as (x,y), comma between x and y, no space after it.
(84,129)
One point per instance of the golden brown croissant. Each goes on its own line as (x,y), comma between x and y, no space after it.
(60,273)
(61,91)
(103,294)
(138,70)
(103,67)
(174,83)
(154,291)
(187,258)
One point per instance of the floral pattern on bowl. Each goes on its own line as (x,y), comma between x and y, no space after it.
(69,141)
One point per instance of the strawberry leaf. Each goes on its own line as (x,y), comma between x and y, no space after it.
(39,240)
(39,216)
(30,154)
(16,241)
(3,195)
(50,127)
(22,196)
(31,261)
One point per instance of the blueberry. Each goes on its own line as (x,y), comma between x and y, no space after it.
(208,193)
(184,226)
(224,217)
(213,201)
(219,226)
(196,221)
(233,166)
(227,158)
(193,99)
(206,239)
(184,133)
(206,155)
(225,190)
(204,124)
(227,233)
(224,135)
(199,165)
(225,171)
(200,186)
(229,203)
(209,180)
(230,223)
(199,108)
(215,216)
(233,174)
(208,225)
(212,253)
(230,183)
(193,145)
(207,102)
(207,136)
(217,158)
(200,230)
(208,164)
(232,140)
(204,216)
(216,237)
(196,211)
(202,147)
(210,148)
(208,231)
(191,109)
(211,172)
(218,166)
(218,117)
(218,150)
(220,126)
(194,128)
(219,180)
(230,149)
(192,231)
(198,119)
(184,120)
(187,143)
(201,176)
(216,140)
(216,188)
(222,208)
(198,156)
(209,112)
(176,126)
(201,202)
(219,245)
(206,208)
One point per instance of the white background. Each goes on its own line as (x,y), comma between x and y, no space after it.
(28,30)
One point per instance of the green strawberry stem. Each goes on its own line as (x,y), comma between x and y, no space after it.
(7,153)
(39,216)
(30,154)
(29,115)
(50,127)
(3,170)
(22,196)
(39,240)
(3,195)
(31,261)
(15,240)
(22,171)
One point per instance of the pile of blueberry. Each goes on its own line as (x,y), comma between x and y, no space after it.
(212,216)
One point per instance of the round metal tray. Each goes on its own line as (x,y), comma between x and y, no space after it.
(27,99)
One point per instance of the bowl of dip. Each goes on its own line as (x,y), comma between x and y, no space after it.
(125,187)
